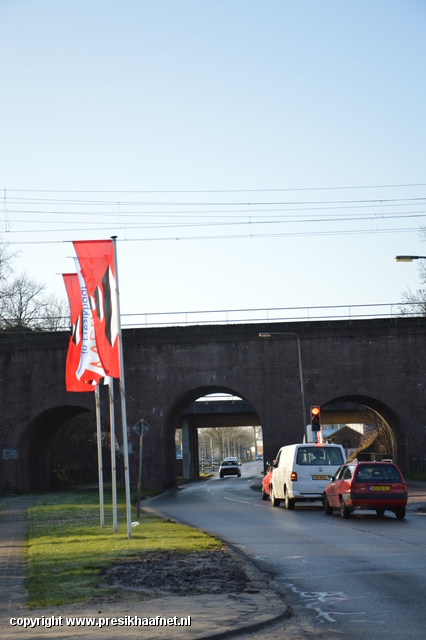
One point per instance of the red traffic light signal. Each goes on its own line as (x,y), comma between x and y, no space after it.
(315,418)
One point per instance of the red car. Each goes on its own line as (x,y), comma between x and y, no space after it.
(377,486)
(267,481)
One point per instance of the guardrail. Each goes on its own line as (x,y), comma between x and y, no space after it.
(277,314)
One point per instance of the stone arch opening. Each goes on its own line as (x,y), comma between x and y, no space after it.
(54,450)
(34,448)
(383,435)
(173,419)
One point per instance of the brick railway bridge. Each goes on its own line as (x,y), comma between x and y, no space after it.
(379,364)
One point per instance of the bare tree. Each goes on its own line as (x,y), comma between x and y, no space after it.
(55,315)
(229,440)
(6,269)
(24,306)
(414,303)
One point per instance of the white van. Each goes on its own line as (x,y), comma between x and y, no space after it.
(302,471)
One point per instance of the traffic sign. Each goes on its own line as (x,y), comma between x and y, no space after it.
(141,427)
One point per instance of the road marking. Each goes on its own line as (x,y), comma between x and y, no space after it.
(313,598)
(233,500)
(369,621)
(347,573)
(324,597)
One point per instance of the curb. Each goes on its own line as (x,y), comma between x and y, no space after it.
(243,630)
(260,584)
(419,507)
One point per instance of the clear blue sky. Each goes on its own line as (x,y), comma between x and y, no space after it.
(228,144)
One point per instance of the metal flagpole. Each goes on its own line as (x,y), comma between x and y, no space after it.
(138,503)
(113,463)
(123,399)
(100,472)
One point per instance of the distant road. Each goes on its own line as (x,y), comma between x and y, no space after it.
(363,577)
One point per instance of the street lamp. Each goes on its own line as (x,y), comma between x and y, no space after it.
(409,258)
(302,386)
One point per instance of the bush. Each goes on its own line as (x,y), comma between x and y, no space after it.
(8,490)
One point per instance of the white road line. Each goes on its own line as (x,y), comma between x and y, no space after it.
(233,500)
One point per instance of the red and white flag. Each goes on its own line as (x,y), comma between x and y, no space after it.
(90,367)
(96,258)
(75,342)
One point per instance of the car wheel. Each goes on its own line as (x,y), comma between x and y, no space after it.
(344,511)
(274,501)
(327,509)
(264,495)
(380,512)
(221,475)
(289,502)
(400,513)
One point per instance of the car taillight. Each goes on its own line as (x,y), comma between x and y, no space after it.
(293,476)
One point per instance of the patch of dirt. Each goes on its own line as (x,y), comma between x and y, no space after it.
(178,574)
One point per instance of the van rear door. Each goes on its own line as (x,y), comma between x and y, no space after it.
(315,466)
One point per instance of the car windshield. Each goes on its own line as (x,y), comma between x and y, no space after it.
(387,472)
(229,463)
(319,455)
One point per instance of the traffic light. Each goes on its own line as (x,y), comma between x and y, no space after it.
(315,419)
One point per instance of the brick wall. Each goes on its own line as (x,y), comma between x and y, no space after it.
(378,362)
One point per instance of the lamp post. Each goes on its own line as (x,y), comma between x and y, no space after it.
(302,386)
(409,258)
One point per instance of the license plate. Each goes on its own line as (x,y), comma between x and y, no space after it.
(319,477)
(380,487)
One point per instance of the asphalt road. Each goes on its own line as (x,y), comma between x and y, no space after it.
(364,577)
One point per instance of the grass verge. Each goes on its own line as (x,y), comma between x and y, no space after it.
(66,548)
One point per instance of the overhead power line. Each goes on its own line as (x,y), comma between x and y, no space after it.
(271,190)
(62,216)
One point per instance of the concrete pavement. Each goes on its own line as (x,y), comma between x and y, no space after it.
(216,616)
(416,496)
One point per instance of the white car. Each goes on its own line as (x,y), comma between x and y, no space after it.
(302,471)
(230,467)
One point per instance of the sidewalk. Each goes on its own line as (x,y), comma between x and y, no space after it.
(217,616)
(416,496)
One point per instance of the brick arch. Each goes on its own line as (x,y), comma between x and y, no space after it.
(390,418)
(35,443)
(168,426)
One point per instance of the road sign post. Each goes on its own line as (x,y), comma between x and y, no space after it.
(141,428)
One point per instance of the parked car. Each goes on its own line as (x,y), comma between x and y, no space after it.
(230,467)
(266,481)
(377,486)
(302,472)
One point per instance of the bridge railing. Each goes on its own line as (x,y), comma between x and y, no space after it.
(240,316)
(277,314)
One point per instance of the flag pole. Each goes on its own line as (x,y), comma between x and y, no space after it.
(123,398)
(113,463)
(100,471)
